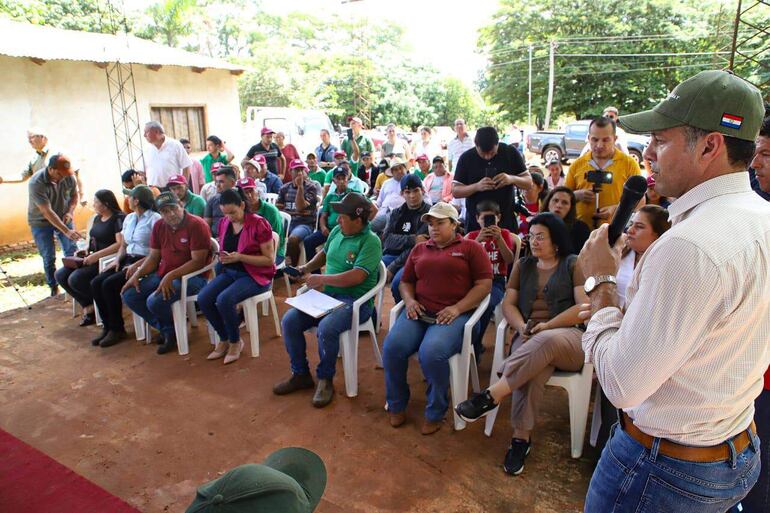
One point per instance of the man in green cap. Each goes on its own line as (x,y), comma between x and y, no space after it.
(352,255)
(685,360)
(291,480)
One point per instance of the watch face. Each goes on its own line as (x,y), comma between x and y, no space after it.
(589,284)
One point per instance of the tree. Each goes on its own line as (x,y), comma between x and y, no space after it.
(170,21)
(651,30)
(84,15)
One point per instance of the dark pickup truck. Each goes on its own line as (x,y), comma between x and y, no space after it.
(569,144)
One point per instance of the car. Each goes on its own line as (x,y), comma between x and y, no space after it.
(569,144)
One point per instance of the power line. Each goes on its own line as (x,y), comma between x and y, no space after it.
(641,69)
(682,54)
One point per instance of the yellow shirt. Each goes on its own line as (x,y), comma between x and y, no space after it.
(380,180)
(622,167)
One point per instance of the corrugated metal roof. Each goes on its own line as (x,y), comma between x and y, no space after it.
(49,43)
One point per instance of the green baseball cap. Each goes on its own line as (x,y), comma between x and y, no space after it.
(165,199)
(291,480)
(716,101)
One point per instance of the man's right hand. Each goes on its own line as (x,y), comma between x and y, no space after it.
(133,281)
(73,235)
(485,184)
(325,231)
(586,195)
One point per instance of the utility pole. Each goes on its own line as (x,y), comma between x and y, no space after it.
(552,47)
(529,106)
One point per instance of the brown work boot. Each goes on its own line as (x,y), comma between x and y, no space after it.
(294,383)
(324,392)
(429,427)
(397,419)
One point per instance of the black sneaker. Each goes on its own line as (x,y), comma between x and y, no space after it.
(514,458)
(97,340)
(476,407)
(168,345)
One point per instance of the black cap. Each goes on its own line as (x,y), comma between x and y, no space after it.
(353,204)
(411,181)
(383,165)
(366,154)
(438,158)
(339,170)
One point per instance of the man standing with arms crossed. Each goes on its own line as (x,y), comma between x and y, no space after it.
(686,359)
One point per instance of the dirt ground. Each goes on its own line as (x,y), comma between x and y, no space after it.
(151,428)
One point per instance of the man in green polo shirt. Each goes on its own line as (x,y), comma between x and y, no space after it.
(192,203)
(253,192)
(363,141)
(216,152)
(352,257)
(313,171)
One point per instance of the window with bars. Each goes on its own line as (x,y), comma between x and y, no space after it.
(183,122)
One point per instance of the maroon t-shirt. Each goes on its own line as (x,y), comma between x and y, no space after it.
(443,276)
(176,245)
(499,267)
(291,153)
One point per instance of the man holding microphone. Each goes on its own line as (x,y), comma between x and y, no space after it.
(685,361)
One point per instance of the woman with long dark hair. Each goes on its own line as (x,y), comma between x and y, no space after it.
(542,304)
(562,202)
(107,222)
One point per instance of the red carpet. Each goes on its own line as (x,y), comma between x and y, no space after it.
(31,482)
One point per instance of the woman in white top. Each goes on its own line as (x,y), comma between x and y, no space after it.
(395,146)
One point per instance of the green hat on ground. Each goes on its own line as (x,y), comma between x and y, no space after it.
(165,199)
(716,101)
(291,480)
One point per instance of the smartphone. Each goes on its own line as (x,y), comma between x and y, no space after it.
(490,172)
(427,317)
(350,133)
(292,271)
(528,327)
(490,220)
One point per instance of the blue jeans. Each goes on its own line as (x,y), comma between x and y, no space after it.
(219,298)
(495,296)
(311,242)
(330,326)
(758,499)
(44,240)
(151,306)
(630,477)
(300,231)
(394,286)
(388,259)
(435,344)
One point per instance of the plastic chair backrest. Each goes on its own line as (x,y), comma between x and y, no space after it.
(271,197)
(286,223)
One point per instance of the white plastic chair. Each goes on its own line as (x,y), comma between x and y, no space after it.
(252,317)
(103,263)
(271,197)
(461,364)
(577,385)
(366,188)
(184,308)
(349,338)
(141,327)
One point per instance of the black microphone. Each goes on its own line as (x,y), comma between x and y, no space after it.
(633,191)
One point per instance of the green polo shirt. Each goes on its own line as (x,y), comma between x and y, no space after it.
(208,161)
(331,221)
(347,252)
(319,176)
(364,144)
(194,204)
(273,216)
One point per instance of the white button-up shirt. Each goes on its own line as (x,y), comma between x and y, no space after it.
(137,230)
(686,361)
(457,147)
(164,162)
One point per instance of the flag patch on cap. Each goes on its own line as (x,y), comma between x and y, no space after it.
(731,121)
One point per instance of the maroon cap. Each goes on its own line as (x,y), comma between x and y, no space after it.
(295,163)
(422,157)
(259,159)
(340,154)
(177,180)
(247,183)
(266,131)
(215,166)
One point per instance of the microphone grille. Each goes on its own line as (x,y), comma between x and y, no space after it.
(637,185)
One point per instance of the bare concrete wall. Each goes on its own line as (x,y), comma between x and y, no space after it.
(69,100)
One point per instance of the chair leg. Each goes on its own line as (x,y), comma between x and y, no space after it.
(252,321)
(497,361)
(180,327)
(276,321)
(139,328)
(192,314)
(579,397)
(213,337)
(474,373)
(459,388)
(264,308)
(350,362)
(288,284)
(98,317)
(376,348)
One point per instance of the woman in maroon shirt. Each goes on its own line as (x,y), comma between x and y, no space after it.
(444,279)
(288,151)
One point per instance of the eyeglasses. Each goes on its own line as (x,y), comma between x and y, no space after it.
(540,237)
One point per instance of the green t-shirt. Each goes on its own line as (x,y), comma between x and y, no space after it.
(326,208)
(319,176)
(194,204)
(416,171)
(347,252)
(364,144)
(273,216)
(208,161)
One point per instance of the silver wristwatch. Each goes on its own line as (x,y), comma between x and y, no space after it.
(594,281)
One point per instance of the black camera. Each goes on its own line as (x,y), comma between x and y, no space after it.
(599,177)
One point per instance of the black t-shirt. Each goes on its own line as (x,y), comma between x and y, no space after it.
(231,246)
(103,232)
(579,233)
(471,168)
(271,155)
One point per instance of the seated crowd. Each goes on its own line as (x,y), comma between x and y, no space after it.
(443,228)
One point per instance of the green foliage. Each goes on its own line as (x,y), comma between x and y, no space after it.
(85,15)
(169,22)
(586,84)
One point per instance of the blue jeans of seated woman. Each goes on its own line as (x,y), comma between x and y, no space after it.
(435,344)
(394,286)
(330,326)
(630,477)
(220,297)
(151,306)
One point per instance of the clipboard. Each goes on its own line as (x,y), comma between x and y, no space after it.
(314,303)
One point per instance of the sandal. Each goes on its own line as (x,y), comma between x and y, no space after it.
(219,351)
